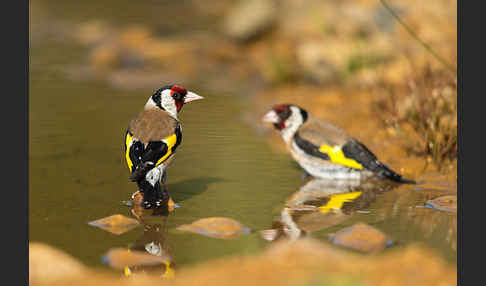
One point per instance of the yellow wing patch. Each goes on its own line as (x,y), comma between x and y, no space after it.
(337,156)
(169,272)
(128,144)
(170,141)
(337,201)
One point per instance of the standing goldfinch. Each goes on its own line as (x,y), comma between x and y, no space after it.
(323,150)
(152,139)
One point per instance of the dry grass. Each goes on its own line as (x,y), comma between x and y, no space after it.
(426,109)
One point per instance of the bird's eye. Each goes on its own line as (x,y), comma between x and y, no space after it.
(177,96)
(283,113)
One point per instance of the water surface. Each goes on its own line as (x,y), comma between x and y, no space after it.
(223,167)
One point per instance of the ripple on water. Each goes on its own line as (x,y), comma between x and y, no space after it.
(443,203)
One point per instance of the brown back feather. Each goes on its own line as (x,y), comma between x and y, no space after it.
(152,125)
(319,132)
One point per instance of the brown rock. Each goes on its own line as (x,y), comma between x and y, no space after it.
(301,262)
(49,264)
(217,227)
(361,237)
(116,224)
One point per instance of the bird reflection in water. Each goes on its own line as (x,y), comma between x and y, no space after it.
(323,203)
(153,241)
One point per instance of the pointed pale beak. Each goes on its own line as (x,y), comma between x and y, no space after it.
(271,117)
(191,96)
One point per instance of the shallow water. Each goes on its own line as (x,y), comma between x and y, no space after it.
(223,168)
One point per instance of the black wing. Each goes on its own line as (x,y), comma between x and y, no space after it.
(140,159)
(357,151)
(308,147)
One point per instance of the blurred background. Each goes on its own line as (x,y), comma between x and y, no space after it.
(383,70)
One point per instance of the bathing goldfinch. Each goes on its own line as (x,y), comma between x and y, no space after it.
(323,150)
(152,139)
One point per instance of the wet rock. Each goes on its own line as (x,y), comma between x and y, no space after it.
(315,221)
(119,258)
(361,237)
(116,224)
(217,227)
(137,197)
(444,203)
(47,263)
(250,18)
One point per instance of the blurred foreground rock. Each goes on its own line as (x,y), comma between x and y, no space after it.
(301,262)
(119,258)
(48,264)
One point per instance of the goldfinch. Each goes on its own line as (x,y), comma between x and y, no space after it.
(151,141)
(323,150)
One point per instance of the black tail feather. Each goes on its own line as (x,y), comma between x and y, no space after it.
(385,172)
(359,152)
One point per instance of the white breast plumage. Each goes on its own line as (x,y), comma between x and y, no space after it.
(324,169)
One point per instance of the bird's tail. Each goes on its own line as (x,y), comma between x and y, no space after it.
(354,149)
(384,172)
(140,171)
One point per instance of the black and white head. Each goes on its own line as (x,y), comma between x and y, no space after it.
(286,118)
(171,98)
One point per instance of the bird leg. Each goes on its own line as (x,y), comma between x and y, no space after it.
(165,192)
(162,192)
(150,188)
(154,194)
(149,199)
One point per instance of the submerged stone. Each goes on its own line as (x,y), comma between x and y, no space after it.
(116,224)
(361,237)
(216,227)
(444,203)
(120,258)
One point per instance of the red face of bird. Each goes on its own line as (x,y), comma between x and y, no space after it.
(283,115)
(278,115)
(171,98)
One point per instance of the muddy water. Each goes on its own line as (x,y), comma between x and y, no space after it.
(223,168)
